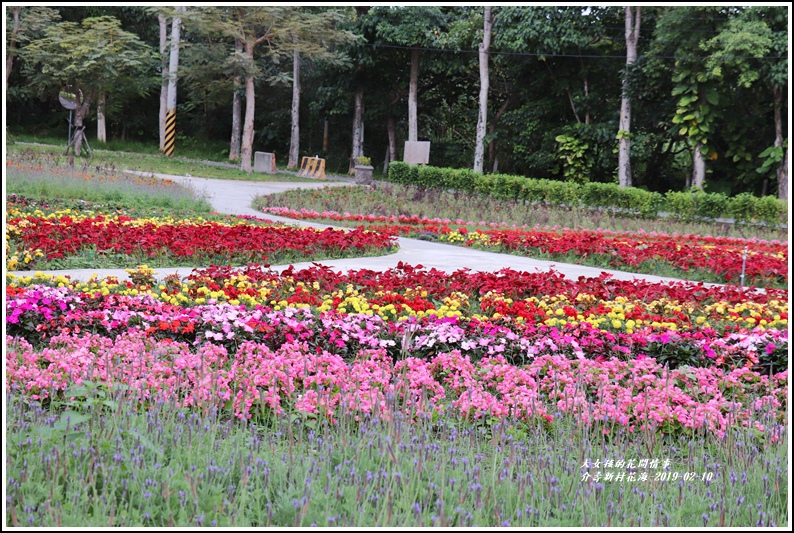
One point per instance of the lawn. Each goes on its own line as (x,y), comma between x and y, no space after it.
(240,396)
(116,161)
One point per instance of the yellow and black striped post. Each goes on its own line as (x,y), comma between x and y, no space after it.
(170,132)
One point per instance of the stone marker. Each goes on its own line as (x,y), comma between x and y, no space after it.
(265,162)
(417,152)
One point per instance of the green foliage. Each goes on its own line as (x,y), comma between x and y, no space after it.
(746,208)
(404,173)
(92,56)
(566,194)
(364,161)
(573,152)
(770,159)
(696,205)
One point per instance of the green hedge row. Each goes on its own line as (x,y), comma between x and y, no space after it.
(688,206)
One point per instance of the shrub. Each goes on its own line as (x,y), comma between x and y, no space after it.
(430,177)
(770,210)
(710,206)
(743,208)
(401,172)
(680,205)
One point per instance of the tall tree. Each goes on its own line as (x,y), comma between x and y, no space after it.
(624,151)
(414,27)
(482,116)
(774,75)
(255,26)
(315,36)
(26,23)
(101,53)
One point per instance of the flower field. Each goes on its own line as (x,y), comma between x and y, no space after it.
(244,396)
(677,357)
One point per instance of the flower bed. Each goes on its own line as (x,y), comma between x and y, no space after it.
(506,344)
(766,262)
(45,237)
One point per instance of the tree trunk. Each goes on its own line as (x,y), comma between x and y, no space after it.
(482,117)
(358,129)
(782,178)
(12,45)
(248,123)
(237,99)
(326,134)
(248,126)
(782,170)
(413,95)
(586,103)
(173,67)
(698,167)
(164,81)
(294,142)
(101,127)
(80,112)
(624,144)
(391,129)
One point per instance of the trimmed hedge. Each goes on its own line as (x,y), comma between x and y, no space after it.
(689,206)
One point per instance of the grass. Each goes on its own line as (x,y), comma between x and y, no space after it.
(99,460)
(41,177)
(108,160)
(395,199)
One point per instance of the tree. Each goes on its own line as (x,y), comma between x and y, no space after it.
(99,54)
(315,36)
(624,152)
(414,27)
(773,73)
(26,23)
(274,27)
(482,117)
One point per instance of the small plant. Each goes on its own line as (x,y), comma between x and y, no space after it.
(364,161)
(143,275)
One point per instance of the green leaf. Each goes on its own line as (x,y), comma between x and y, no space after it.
(712,96)
(70,419)
(683,131)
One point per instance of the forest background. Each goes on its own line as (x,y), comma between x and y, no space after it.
(706,89)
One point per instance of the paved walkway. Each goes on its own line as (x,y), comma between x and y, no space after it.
(235,197)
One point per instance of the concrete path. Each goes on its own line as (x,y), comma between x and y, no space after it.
(235,197)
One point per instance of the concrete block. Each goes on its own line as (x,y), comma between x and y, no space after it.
(417,152)
(265,162)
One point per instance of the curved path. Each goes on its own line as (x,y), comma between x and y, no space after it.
(235,197)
